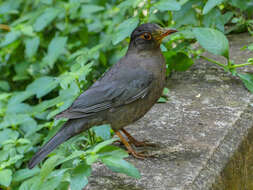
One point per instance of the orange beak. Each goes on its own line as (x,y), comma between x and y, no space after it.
(168,31)
(163,32)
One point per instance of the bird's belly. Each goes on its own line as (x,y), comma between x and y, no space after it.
(124,115)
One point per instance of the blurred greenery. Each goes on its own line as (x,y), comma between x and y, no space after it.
(52,50)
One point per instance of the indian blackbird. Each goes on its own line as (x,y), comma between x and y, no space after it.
(121,96)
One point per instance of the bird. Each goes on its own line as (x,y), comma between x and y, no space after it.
(121,96)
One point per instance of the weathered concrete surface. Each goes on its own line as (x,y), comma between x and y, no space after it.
(198,130)
(238,173)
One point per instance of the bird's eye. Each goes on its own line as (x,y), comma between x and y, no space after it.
(146,36)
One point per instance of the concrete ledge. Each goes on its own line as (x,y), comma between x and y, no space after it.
(223,153)
(199,130)
(238,172)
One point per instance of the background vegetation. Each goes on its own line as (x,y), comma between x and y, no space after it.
(55,49)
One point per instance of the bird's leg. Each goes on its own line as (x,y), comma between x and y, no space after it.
(136,142)
(129,147)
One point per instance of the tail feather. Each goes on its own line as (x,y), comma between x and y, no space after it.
(69,129)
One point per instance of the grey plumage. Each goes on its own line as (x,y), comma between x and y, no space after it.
(121,96)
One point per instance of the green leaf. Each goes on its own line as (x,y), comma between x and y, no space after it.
(227,16)
(168,5)
(162,100)
(47,2)
(4,85)
(213,41)
(166,91)
(23,141)
(10,6)
(4,96)
(186,15)
(45,19)
(19,108)
(12,160)
(103,144)
(23,174)
(8,134)
(79,176)
(247,80)
(164,97)
(250,60)
(5,177)
(10,37)
(4,154)
(51,183)
(121,166)
(19,97)
(79,73)
(22,71)
(103,131)
(28,30)
(48,167)
(250,47)
(75,154)
(35,183)
(31,46)
(125,29)
(91,158)
(59,172)
(42,86)
(64,185)
(179,62)
(30,184)
(210,5)
(87,10)
(67,96)
(241,4)
(112,151)
(13,119)
(55,49)
(214,19)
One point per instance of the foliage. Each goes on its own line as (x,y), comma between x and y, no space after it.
(52,50)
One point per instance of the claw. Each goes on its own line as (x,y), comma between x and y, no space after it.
(135,142)
(143,143)
(130,149)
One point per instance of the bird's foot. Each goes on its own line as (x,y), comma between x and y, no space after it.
(141,155)
(130,149)
(138,143)
(138,155)
(135,142)
(141,143)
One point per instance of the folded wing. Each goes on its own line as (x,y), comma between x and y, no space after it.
(127,88)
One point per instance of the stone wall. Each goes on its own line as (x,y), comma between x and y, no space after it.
(199,132)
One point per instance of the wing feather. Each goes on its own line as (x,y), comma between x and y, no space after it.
(106,95)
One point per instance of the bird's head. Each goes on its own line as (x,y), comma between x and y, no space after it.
(149,36)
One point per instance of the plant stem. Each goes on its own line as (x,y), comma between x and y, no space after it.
(229,63)
(213,61)
(241,65)
(4,27)
(148,10)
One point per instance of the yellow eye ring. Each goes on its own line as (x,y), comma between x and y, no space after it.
(146,36)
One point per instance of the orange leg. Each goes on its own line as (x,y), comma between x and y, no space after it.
(129,147)
(136,142)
